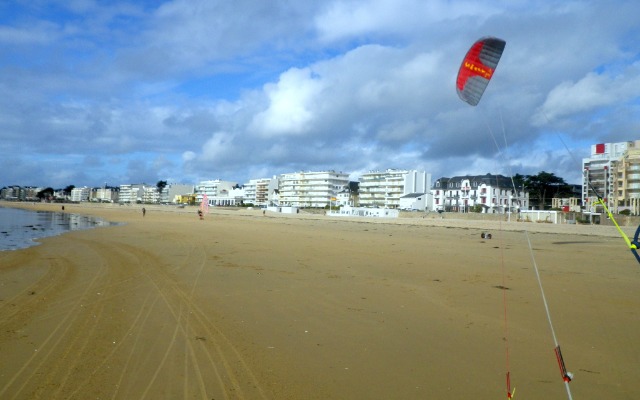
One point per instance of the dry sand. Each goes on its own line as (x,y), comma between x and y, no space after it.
(246,306)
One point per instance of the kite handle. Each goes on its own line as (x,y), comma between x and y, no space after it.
(635,245)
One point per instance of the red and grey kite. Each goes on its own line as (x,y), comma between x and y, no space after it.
(477,68)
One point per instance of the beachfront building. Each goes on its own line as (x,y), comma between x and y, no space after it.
(80,194)
(598,178)
(19,193)
(131,193)
(384,189)
(599,174)
(228,198)
(104,195)
(150,195)
(311,189)
(213,189)
(493,193)
(173,193)
(257,191)
(627,182)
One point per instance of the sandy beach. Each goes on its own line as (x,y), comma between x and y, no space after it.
(243,305)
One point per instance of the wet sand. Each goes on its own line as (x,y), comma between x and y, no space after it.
(246,306)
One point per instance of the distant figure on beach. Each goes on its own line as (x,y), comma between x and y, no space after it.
(144,211)
(62,208)
(200,214)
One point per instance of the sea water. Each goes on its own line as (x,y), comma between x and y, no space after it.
(20,228)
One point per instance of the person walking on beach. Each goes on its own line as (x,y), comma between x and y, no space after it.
(144,211)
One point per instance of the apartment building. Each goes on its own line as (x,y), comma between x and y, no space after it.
(80,194)
(213,189)
(132,193)
(311,189)
(257,191)
(627,182)
(495,193)
(599,174)
(385,188)
(104,195)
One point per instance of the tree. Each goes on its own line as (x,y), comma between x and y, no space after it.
(45,193)
(68,189)
(544,185)
(160,187)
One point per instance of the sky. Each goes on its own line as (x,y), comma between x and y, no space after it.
(114,92)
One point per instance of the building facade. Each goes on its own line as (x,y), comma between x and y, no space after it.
(257,191)
(311,189)
(384,189)
(104,195)
(599,176)
(80,194)
(132,193)
(627,182)
(213,188)
(493,193)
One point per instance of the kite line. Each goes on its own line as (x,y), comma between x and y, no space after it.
(634,244)
(475,72)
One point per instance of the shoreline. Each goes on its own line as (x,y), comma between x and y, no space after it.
(246,306)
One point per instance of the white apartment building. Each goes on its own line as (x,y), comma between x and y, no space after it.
(311,189)
(80,194)
(150,195)
(599,176)
(257,191)
(104,195)
(131,193)
(495,193)
(213,189)
(385,188)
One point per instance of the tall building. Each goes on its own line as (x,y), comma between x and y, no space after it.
(599,174)
(80,194)
(257,191)
(131,193)
(311,189)
(627,182)
(385,188)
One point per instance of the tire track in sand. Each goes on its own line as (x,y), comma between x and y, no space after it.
(217,349)
(32,367)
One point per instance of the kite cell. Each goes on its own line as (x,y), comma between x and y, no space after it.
(477,68)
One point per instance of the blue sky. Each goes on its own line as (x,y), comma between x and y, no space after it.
(186,90)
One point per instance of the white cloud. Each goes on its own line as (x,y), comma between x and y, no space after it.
(292,104)
(348,19)
(592,92)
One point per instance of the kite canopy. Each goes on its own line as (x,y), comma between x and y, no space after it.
(477,68)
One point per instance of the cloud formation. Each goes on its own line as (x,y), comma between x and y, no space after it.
(126,92)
